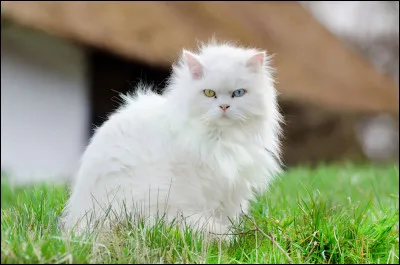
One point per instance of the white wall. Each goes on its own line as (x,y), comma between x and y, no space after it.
(44,105)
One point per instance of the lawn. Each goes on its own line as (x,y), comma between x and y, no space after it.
(330,214)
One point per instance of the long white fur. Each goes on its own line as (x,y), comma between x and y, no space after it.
(174,154)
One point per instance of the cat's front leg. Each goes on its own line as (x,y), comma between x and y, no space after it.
(209,224)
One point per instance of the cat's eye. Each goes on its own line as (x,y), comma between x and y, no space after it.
(239,92)
(209,93)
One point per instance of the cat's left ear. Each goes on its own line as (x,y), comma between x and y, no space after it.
(195,66)
(256,62)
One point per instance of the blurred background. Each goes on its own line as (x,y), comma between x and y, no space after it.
(63,65)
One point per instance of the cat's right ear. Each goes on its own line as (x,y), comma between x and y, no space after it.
(195,66)
(256,62)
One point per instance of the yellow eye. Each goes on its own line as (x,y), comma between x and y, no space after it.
(209,93)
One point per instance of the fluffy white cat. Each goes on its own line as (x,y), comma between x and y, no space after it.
(199,151)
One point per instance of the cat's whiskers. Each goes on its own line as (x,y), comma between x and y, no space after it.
(243,118)
(205,118)
(208,116)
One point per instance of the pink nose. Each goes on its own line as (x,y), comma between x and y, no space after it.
(224,107)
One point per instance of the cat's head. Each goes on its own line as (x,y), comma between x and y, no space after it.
(224,85)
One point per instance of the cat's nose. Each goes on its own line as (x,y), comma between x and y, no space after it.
(224,107)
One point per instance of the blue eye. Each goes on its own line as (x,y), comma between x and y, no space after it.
(239,92)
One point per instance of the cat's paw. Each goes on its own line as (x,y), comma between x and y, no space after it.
(210,226)
(215,227)
(220,231)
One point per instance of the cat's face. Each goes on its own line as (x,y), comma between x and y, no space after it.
(228,89)
(227,97)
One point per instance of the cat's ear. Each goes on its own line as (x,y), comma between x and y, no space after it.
(256,61)
(195,66)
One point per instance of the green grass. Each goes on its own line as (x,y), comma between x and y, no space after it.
(330,214)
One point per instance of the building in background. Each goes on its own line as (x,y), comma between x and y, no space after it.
(372,29)
(44,104)
(64,63)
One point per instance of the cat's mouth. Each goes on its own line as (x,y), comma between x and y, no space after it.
(224,120)
(224,116)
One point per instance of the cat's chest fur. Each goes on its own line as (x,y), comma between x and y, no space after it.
(226,167)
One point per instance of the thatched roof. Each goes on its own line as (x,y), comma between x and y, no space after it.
(313,66)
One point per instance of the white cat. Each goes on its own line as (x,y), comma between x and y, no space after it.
(198,151)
